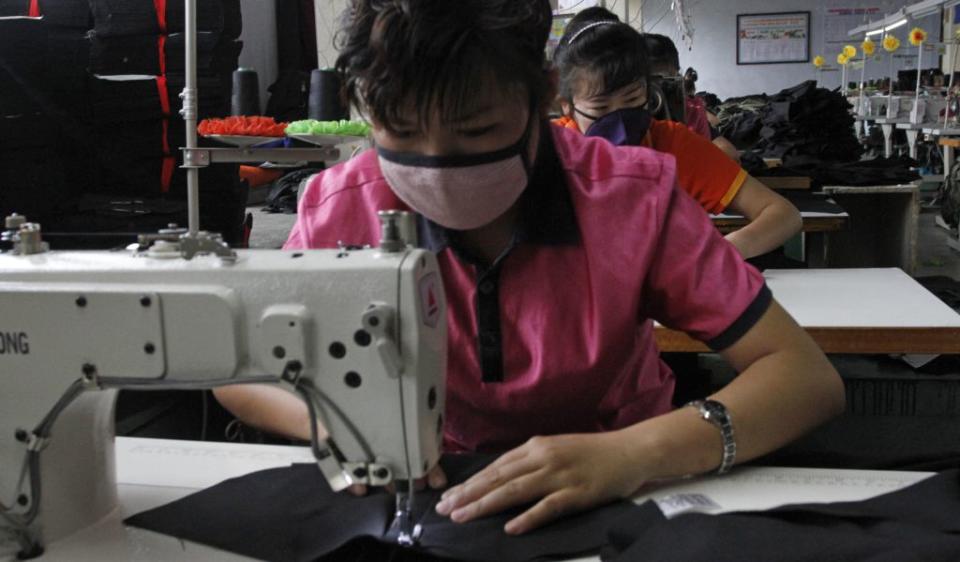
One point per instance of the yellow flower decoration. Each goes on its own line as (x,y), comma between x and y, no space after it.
(869,47)
(849,51)
(818,61)
(891,43)
(842,59)
(917,36)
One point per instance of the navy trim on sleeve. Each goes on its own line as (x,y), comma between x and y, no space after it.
(747,320)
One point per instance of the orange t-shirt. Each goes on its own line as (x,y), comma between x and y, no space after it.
(703,170)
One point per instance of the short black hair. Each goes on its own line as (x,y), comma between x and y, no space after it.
(597,42)
(662,52)
(438,54)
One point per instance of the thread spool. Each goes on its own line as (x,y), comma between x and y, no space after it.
(325,103)
(245,99)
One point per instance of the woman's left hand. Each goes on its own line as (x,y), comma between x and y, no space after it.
(563,474)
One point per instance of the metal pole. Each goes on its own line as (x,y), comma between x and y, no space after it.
(189,113)
(953,66)
(863,77)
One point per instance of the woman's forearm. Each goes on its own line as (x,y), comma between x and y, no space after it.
(268,408)
(783,391)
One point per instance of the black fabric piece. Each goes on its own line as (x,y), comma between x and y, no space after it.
(14,8)
(921,522)
(67,13)
(291,514)
(68,57)
(283,194)
(745,322)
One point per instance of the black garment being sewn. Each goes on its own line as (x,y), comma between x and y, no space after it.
(291,514)
(921,522)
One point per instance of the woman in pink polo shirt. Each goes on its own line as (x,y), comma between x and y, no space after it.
(555,266)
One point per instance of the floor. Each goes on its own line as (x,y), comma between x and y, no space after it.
(270,230)
(935,257)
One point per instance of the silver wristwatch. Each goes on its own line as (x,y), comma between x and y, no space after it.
(716,413)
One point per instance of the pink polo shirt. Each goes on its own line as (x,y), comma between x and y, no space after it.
(557,336)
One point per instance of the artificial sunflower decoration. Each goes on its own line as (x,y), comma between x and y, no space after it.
(891,43)
(818,61)
(917,36)
(849,51)
(868,47)
(842,59)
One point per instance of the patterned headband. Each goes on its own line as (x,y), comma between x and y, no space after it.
(590,26)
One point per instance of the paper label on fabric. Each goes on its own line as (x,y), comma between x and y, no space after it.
(677,504)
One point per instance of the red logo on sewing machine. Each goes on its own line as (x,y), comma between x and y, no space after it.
(429,300)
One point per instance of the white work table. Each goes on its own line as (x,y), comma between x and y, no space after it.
(152,472)
(855,311)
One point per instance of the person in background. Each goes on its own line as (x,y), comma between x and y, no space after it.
(696,114)
(701,120)
(557,252)
(603,78)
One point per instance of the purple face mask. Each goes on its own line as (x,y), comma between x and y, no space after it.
(623,127)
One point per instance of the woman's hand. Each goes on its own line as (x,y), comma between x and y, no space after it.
(563,474)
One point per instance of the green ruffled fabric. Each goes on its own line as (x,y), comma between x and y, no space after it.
(314,127)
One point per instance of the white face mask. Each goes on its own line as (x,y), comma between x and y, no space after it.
(460,192)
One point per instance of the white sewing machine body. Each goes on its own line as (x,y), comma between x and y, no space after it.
(364,331)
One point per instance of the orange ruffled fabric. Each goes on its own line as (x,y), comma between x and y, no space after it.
(242,126)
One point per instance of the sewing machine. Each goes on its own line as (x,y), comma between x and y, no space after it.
(360,334)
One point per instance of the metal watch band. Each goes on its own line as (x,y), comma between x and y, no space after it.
(717,414)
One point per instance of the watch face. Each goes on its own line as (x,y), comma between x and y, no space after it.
(715,410)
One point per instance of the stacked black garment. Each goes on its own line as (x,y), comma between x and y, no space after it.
(32,179)
(808,121)
(740,120)
(800,121)
(91,142)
